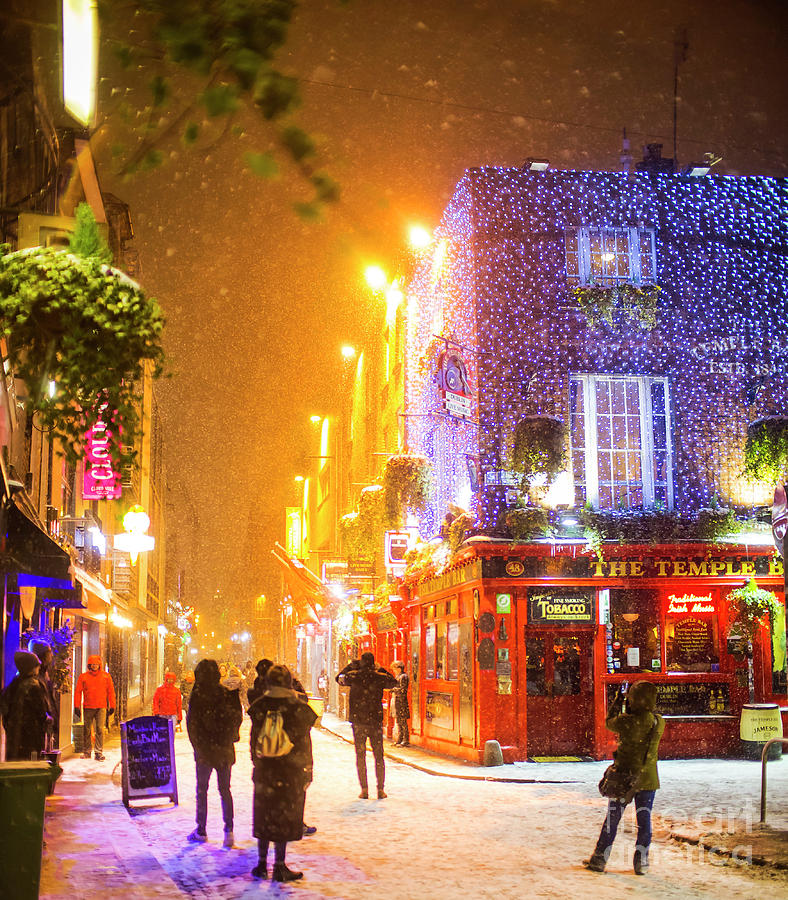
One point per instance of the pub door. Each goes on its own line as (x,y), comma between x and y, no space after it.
(559,692)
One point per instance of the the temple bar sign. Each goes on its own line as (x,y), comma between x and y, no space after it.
(680,568)
(560,605)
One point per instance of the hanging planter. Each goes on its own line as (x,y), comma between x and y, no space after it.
(407,478)
(766,450)
(538,451)
(362,531)
(61,640)
(79,334)
(528,522)
(638,303)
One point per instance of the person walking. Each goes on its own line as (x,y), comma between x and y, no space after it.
(24,710)
(367,683)
(401,706)
(187,685)
(44,653)
(167,700)
(639,730)
(212,722)
(258,688)
(282,773)
(95,694)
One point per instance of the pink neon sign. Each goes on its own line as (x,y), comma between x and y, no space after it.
(100,480)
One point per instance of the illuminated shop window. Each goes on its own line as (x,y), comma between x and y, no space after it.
(621,445)
(440,651)
(453,652)
(634,639)
(608,256)
(429,652)
(692,639)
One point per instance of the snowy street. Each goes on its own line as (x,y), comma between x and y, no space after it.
(434,836)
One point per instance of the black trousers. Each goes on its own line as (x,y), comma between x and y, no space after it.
(375,735)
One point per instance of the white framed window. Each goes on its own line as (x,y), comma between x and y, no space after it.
(608,256)
(620,434)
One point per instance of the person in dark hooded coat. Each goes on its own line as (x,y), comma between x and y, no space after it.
(25,710)
(212,722)
(259,686)
(280,782)
(639,730)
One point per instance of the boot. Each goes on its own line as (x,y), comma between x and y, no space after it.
(597,862)
(282,873)
(640,863)
(260,870)
(364,795)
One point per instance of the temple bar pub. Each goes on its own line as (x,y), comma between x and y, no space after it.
(526,643)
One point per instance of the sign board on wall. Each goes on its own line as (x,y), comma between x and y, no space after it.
(100,481)
(147,749)
(453,384)
(570,605)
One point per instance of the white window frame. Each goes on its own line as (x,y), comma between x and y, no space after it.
(640,273)
(645,383)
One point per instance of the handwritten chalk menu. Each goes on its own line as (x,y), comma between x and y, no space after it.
(147,746)
(682,698)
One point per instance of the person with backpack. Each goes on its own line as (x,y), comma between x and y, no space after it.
(367,683)
(212,722)
(281,748)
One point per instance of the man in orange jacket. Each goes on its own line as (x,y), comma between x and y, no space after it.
(167,700)
(98,691)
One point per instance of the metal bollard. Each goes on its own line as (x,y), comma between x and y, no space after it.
(764,755)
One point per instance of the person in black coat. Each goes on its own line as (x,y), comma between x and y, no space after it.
(212,722)
(401,705)
(280,782)
(367,683)
(44,653)
(259,686)
(25,710)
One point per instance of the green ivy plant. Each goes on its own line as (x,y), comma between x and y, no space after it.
(638,303)
(87,329)
(362,530)
(766,450)
(751,608)
(407,480)
(539,448)
(528,522)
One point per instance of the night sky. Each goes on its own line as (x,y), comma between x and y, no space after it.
(403,97)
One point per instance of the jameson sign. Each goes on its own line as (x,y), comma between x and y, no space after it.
(560,605)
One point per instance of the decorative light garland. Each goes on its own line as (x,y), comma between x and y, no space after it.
(496,285)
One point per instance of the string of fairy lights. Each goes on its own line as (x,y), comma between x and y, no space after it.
(495,281)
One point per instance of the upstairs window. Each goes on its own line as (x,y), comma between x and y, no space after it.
(609,256)
(621,444)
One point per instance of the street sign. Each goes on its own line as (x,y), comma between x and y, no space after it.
(780,518)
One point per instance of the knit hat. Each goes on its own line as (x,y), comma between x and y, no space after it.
(26,662)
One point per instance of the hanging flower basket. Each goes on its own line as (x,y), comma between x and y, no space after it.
(751,608)
(539,448)
(528,522)
(638,303)
(362,531)
(766,450)
(79,335)
(407,479)
(61,641)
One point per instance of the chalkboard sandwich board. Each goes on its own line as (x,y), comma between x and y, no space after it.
(147,746)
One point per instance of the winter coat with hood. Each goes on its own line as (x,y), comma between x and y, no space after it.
(367,684)
(638,737)
(213,718)
(280,782)
(25,713)
(167,700)
(94,690)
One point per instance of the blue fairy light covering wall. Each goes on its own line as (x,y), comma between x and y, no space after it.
(511,247)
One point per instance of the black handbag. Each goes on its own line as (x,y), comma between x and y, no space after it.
(617,784)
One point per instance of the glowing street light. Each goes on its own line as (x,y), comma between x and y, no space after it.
(348,352)
(315,419)
(134,540)
(418,237)
(376,277)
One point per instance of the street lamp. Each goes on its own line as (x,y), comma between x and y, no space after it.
(348,352)
(376,277)
(418,237)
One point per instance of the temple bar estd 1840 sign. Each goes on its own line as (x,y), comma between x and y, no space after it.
(560,605)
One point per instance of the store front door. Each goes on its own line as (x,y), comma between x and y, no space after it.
(558,691)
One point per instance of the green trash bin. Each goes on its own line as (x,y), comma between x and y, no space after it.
(23,790)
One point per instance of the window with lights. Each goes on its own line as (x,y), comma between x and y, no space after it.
(621,443)
(610,256)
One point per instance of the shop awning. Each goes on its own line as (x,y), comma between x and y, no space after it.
(26,546)
(96,596)
(52,592)
(307,590)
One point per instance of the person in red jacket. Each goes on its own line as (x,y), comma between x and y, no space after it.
(98,691)
(167,700)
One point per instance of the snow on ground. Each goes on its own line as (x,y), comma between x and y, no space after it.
(433,837)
